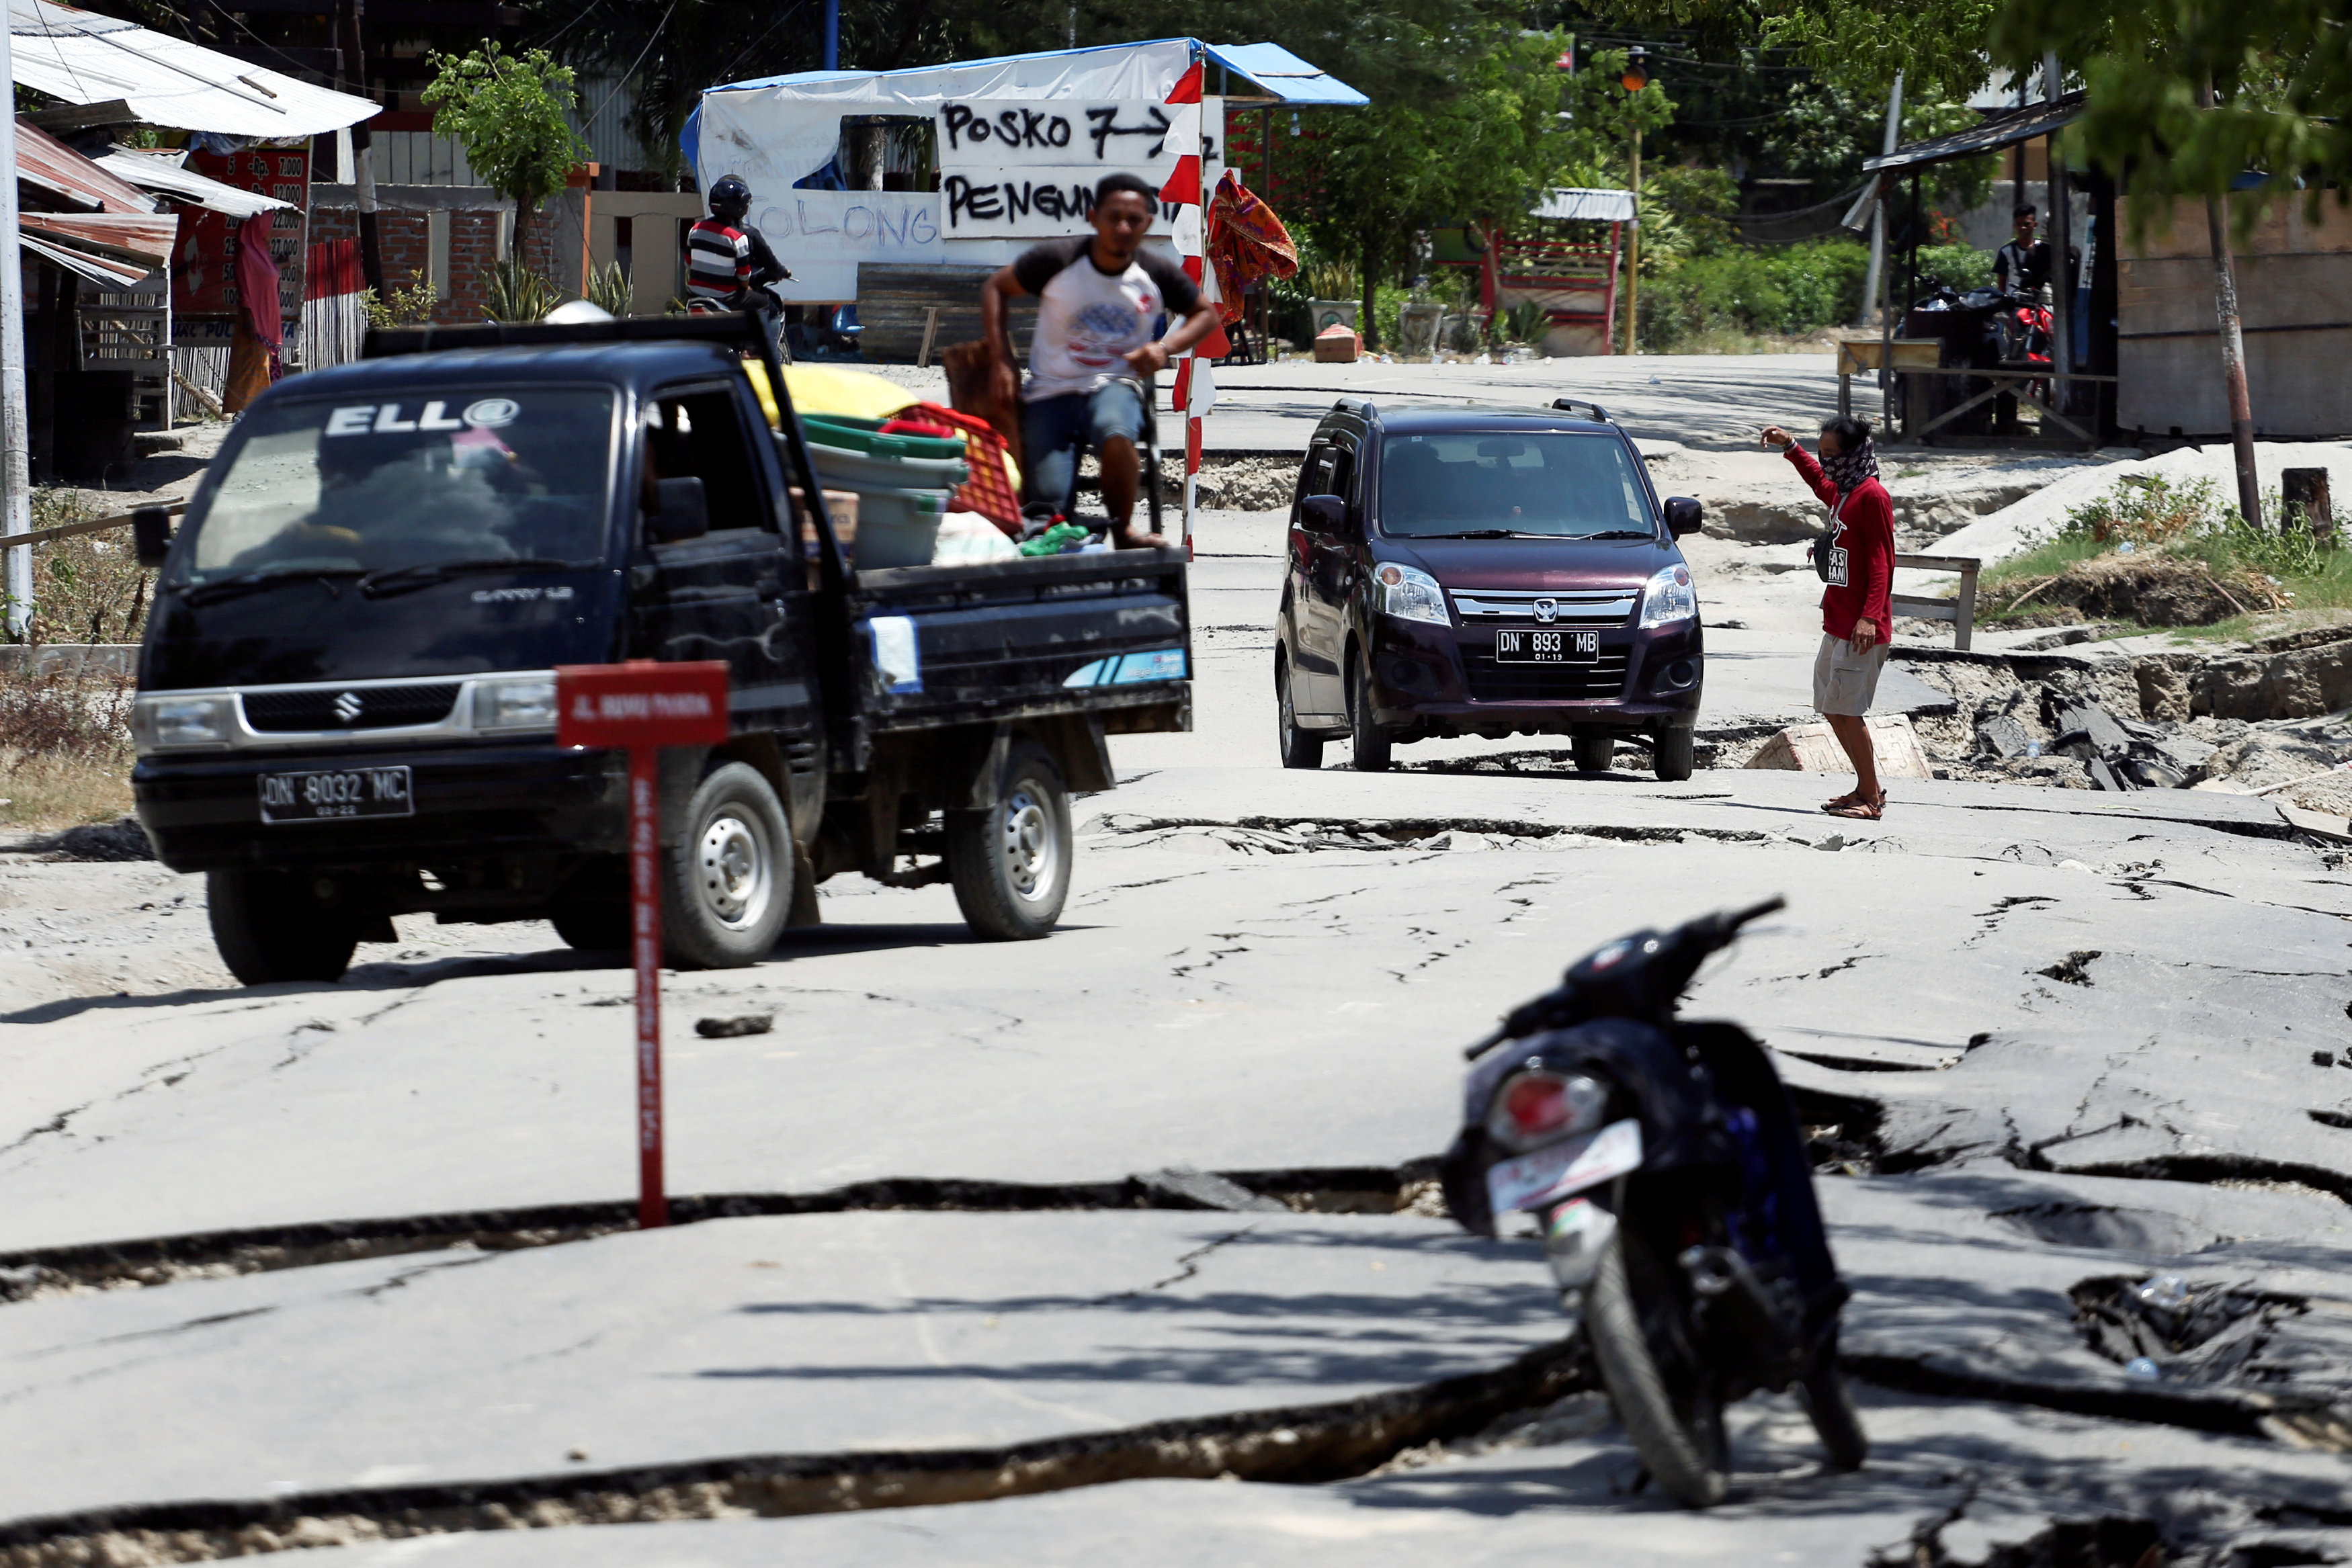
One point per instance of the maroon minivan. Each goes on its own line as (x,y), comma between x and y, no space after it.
(1485,571)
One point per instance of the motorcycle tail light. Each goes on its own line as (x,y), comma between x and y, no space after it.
(1535,1106)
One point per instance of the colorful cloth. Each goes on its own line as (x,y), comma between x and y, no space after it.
(1247,244)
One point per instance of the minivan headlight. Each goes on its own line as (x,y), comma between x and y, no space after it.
(168,721)
(1671,596)
(527,702)
(1411,594)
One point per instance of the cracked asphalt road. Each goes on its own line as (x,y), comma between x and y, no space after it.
(2047,1039)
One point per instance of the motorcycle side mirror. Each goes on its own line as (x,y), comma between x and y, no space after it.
(684,511)
(1324,514)
(1682,516)
(151,535)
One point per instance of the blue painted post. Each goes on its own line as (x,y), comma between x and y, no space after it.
(833,35)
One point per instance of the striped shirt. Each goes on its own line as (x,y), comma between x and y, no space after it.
(718,262)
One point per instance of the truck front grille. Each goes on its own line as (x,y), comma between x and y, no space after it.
(354,708)
(1492,683)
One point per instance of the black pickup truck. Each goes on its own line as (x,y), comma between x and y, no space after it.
(346,696)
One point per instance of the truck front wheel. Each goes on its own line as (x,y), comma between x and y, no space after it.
(727,884)
(1010,861)
(268,928)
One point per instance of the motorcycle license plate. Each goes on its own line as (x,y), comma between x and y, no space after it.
(1547,647)
(335,793)
(1549,1175)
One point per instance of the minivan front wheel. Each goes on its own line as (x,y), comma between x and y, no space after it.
(1299,749)
(1366,738)
(1673,755)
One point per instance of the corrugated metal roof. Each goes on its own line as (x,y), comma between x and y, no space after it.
(1589,205)
(136,236)
(2002,129)
(42,159)
(1283,75)
(83,58)
(162,171)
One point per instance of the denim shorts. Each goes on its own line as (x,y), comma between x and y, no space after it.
(1055,429)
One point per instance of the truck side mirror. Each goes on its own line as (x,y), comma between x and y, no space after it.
(1324,514)
(1682,516)
(151,535)
(684,511)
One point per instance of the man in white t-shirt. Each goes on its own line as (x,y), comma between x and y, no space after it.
(1099,302)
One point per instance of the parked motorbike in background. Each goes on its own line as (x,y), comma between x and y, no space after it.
(1670,1176)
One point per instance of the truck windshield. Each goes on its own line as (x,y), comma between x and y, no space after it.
(1552,484)
(411,480)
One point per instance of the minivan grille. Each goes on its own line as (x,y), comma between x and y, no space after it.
(354,708)
(1492,683)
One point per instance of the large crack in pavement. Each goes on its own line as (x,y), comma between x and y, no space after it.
(1304,1444)
(42,1272)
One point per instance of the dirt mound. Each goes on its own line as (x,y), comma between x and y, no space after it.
(2153,588)
(119,840)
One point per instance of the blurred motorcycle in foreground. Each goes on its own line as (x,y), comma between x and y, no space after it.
(1669,1174)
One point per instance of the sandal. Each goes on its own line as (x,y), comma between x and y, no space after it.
(1851,798)
(1860,810)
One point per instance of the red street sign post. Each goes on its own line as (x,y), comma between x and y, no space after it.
(642,707)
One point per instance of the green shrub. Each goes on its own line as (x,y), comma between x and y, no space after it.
(1958,268)
(1797,288)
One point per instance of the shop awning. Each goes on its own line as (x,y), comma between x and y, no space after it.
(1999,131)
(1283,76)
(1585,204)
(162,172)
(83,58)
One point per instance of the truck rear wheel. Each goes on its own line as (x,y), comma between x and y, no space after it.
(268,928)
(1010,861)
(727,884)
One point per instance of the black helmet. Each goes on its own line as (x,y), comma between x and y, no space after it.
(730,198)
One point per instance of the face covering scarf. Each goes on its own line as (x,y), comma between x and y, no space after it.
(1847,470)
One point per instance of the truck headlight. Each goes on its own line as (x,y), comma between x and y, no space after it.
(167,722)
(525,703)
(1411,594)
(1670,596)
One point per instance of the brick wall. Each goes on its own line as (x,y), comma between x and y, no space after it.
(404,241)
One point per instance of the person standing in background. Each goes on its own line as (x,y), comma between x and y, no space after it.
(1857,616)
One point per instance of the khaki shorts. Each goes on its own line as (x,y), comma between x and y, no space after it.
(1844,681)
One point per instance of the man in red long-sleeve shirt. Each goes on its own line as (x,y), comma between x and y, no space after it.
(1857,620)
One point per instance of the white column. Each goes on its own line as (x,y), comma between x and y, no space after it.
(16,463)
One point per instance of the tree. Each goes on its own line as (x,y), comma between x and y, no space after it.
(2276,74)
(508,112)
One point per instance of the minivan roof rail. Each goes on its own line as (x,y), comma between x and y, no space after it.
(731,326)
(1569,405)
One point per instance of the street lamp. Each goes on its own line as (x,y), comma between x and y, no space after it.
(1635,77)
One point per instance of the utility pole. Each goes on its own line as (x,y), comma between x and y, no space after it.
(833,35)
(1634,256)
(1878,215)
(2062,246)
(2233,349)
(15,469)
(362,170)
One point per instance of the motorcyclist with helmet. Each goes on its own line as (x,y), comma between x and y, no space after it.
(728,263)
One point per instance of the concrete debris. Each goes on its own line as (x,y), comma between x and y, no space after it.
(1814,748)
(1207,1189)
(2301,682)
(734,1028)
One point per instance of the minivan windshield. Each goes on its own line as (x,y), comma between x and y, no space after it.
(1482,484)
(411,482)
